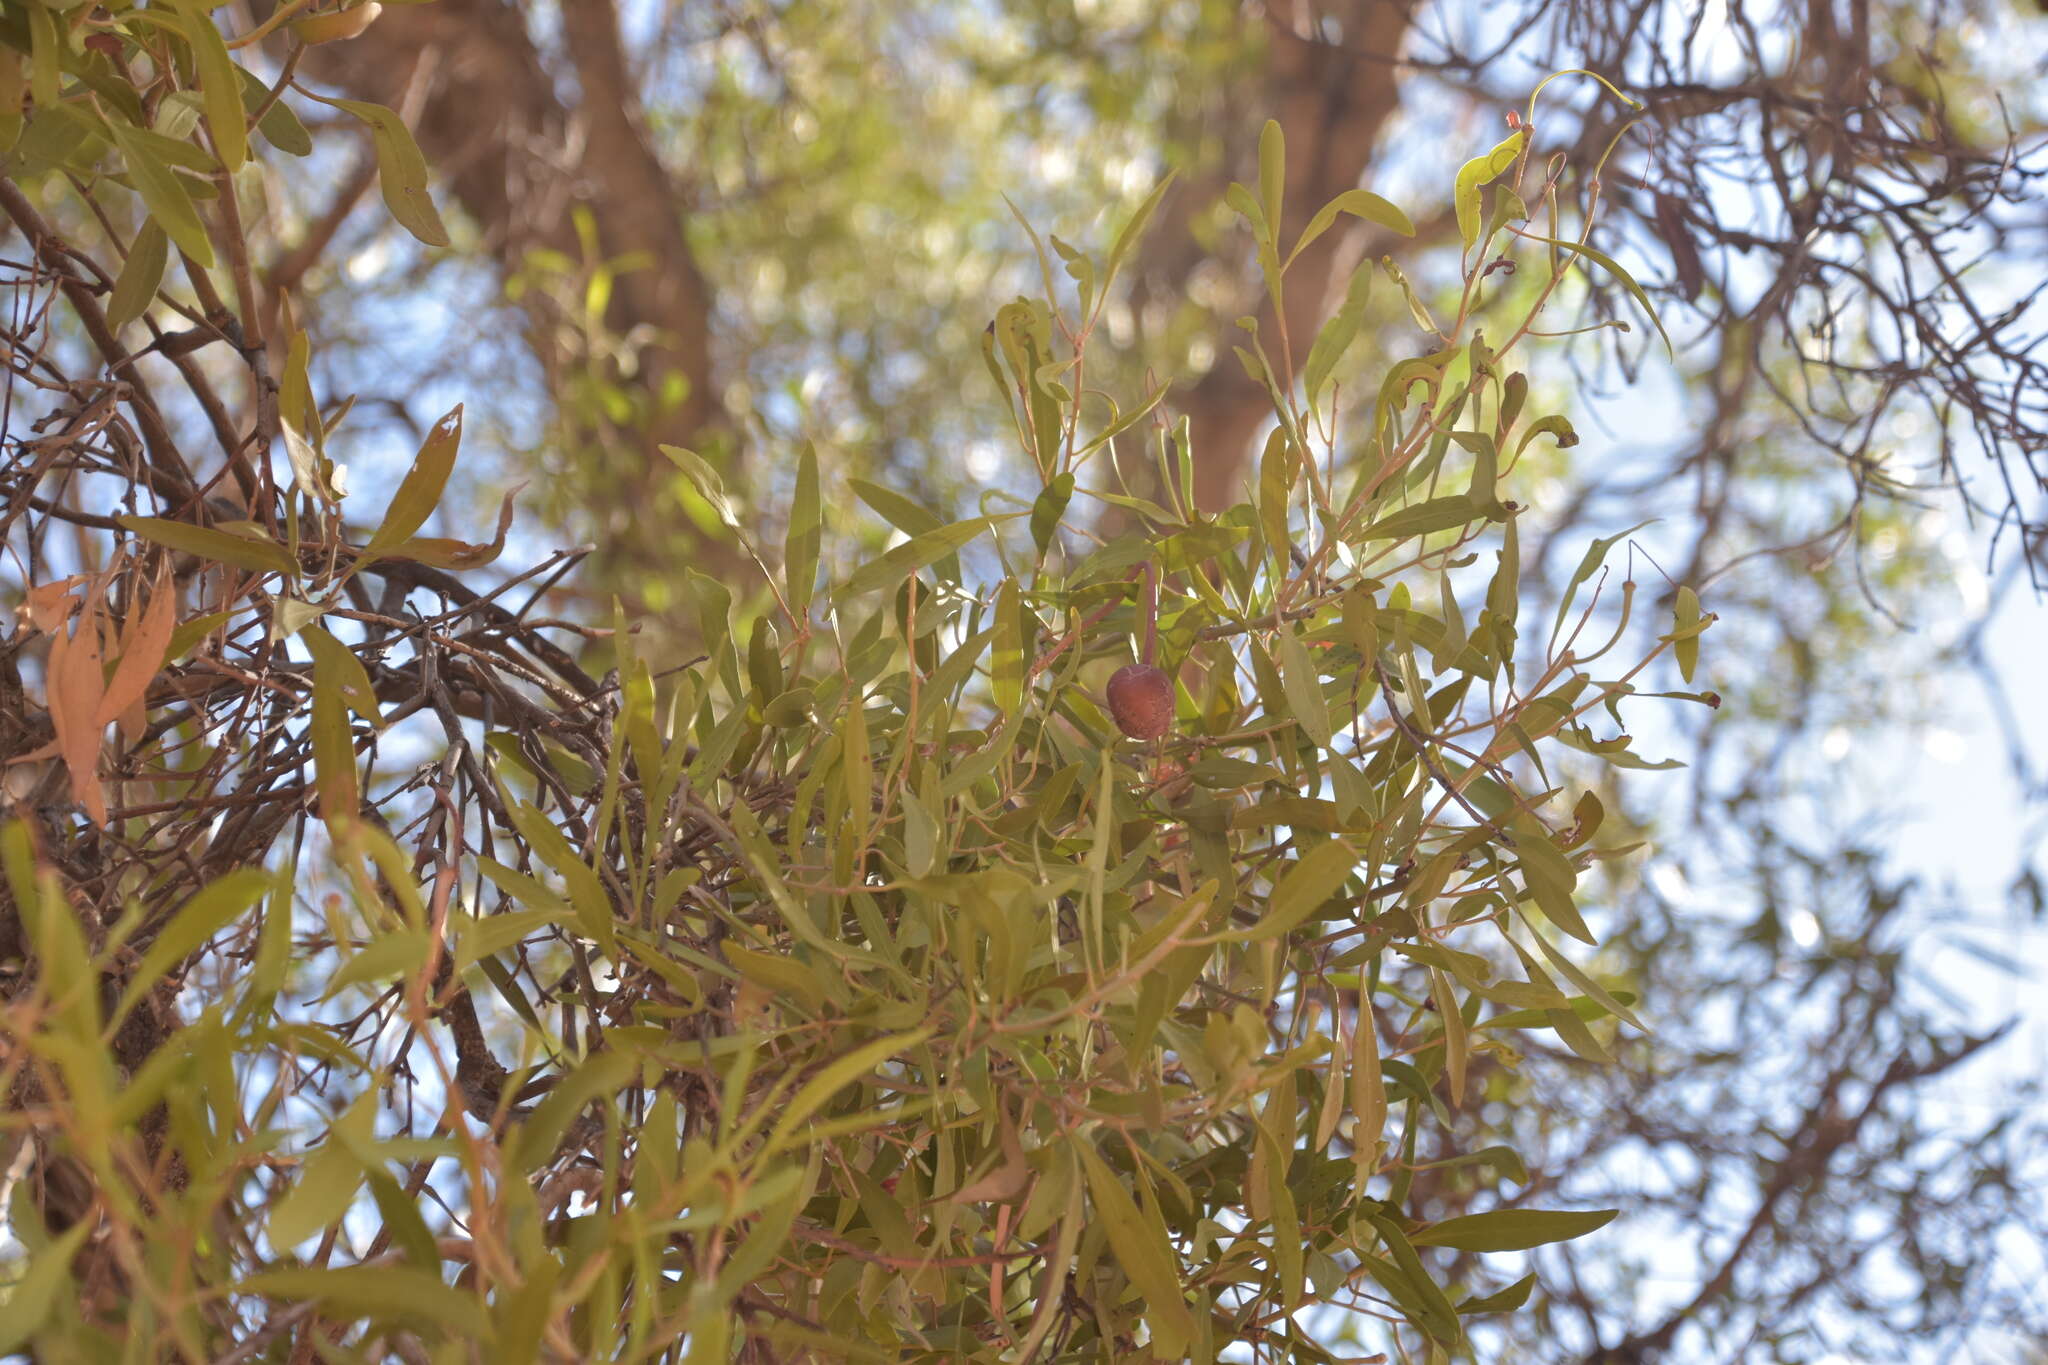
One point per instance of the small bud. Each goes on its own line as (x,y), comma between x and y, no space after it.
(1141,701)
(1712,699)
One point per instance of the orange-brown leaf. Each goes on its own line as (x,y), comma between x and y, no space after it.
(50,605)
(77,688)
(143,643)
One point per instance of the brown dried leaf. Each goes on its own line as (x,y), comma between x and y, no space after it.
(143,643)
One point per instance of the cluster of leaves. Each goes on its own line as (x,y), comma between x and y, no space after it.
(867,994)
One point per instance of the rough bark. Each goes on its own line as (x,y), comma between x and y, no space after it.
(1332,101)
(519,154)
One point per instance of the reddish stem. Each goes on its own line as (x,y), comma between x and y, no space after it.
(1151,615)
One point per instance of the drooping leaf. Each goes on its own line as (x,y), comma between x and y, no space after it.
(401,170)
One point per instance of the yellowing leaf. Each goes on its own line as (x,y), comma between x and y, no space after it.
(401,170)
(219,84)
(1686,617)
(1144,1252)
(1512,1229)
(141,274)
(420,491)
(222,547)
(170,204)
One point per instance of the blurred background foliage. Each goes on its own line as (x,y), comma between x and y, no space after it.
(742,225)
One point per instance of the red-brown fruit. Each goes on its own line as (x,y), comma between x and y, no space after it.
(1141,701)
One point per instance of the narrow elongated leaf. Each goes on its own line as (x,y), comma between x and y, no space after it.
(205,914)
(219,84)
(1437,514)
(1006,656)
(334,750)
(1512,1229)
(1360,203)
(1612,267)
(143,645)
(1305,887)
(280,126)
(1430,1309)
(806,523)
(1135,228)
(141,275)
(401,170)
(420,491)
(1551,879)
(222,547)
(1335,336)
(149,165)
(1589,564)
(1144,1253)
(1501,1300)
(1303,687)
(341,663)
(1272,171)
(1049,507)
(914,554)
(381,1293)
(822,1088)
(31,1298)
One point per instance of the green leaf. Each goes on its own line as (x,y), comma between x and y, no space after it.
(392,956)
(1006,657)
(337,660)
(1512,1229)
(1128,238)
(705,480)
(222,547)
(141,275)
(1501,1300)
(1437,514)
(219,84)
(825,1086)
(324,1185)
(46,73)
(149,165)
(1335,336)
(378,1293)
(806,522)
(1305,887)
(29,1299)
(1272,171)
(1613,268)
(1588,565)
(401,170)
(598,1077)
(1686,617)
(912,555)
(1359,203)
(1551,878)
(280,127)
(1303,687)
(420,491)
(1049,507)
(334,750)
(197,920)
(1142,1249)
(1480,171)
